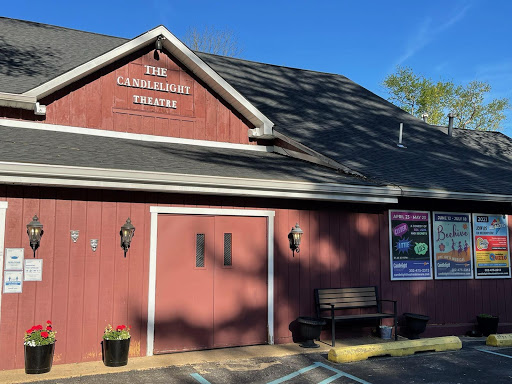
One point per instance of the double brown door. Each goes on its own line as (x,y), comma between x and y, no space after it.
(211,282)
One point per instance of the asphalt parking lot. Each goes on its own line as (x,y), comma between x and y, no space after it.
(475,363)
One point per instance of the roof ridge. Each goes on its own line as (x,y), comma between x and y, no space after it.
(61,27)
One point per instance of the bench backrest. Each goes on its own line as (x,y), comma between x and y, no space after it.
(346,298)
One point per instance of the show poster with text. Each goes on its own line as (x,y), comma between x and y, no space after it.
(492,256)
(410,249)
(452,245)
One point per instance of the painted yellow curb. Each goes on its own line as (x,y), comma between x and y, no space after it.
(503,340)
(395,348)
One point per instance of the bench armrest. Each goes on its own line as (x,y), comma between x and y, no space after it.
(391,301)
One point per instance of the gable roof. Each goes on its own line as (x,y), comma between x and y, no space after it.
(327,113)
(87,58)
(344,121)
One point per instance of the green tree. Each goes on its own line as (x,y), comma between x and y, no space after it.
(420,95)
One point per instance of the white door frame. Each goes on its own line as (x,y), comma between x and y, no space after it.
(3,209)
(214,212)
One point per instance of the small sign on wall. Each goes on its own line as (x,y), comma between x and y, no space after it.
(14,259)
(13,282)
(34,270)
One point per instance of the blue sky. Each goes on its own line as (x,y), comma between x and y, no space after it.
(363,40)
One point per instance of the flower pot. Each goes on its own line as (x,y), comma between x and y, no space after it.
(310,329)
(416,324)
(488,325)
(39,359)
(115,352)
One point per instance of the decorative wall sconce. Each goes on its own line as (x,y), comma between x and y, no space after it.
(127,232)
(294,236)
(94,244)
(159,43)
(34,232)
(74,235)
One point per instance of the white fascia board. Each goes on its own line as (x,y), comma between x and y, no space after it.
(83,177)
(131,136)
(443,194)
(182,53)
(17,101)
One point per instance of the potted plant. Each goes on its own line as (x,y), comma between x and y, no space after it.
(116,345)
(487,324)
(415,324)
(39,348)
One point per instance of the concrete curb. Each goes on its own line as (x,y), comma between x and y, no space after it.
(504,340)
(397,348)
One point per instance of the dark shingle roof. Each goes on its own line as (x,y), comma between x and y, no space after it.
(71,149)
(327,112)
(33,53)
(342,120)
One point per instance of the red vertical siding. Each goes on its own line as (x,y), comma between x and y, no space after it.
(82,291)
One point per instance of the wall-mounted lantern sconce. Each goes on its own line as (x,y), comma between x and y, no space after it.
(127,231)
(159,43)
(294,236)
(34,232)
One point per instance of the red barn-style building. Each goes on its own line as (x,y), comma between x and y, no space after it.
(214,160)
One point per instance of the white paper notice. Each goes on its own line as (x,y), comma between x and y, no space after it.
(13,281)
(34,270)
(14,259)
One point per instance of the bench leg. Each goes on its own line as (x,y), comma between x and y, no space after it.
(333,334)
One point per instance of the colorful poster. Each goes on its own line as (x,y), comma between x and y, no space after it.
(452,245)
(410,249)
(492,256)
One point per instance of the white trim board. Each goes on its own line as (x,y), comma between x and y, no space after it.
(179,50)
(87,177)
(155,211)
(130,136)
(3,209)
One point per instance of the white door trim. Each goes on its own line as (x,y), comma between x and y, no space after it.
(3,209)
(207,211)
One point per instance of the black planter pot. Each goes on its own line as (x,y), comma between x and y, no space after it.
(39,359)
(115,352)
(310,329)
(415,324)
(488,325)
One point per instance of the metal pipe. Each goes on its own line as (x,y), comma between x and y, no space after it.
(450,124)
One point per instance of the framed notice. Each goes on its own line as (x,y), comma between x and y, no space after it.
(492,255)
(452,245)
(33,270)
(409,243)
(13,281)
(14,259)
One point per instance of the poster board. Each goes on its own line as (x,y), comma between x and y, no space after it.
(409,245)
(33,270)
(491,242)
(13,282)
(453,256)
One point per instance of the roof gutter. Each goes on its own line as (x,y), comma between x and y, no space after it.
(441,194)
(30,103)
(85,177)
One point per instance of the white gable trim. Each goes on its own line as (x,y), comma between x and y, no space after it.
(182,53)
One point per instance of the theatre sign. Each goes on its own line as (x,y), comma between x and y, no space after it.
(154,85)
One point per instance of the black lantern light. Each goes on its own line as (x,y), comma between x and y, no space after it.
(158,43)
(294,236)
(127,231)
(34,232)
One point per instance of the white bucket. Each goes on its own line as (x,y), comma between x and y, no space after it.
(385,332)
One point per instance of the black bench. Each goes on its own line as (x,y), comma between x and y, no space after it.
(332,300)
